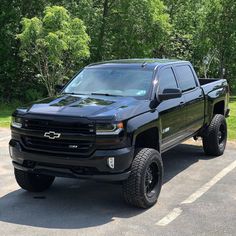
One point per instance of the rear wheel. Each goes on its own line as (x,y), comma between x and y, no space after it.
(215,138)
(143,186)
(33,182)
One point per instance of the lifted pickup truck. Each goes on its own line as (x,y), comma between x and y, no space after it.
(113,121)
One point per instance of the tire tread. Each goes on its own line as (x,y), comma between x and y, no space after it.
(210,143)
(131,187)
(29,182)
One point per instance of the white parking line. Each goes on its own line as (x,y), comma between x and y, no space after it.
(192,198)
(4,138)
(211,183)
(170,217)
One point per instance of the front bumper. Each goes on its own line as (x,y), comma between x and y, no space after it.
(92,167)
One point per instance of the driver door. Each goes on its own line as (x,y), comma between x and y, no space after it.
(172,112)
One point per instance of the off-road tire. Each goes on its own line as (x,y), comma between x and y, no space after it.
(215,137)
(33,182)
(134,188)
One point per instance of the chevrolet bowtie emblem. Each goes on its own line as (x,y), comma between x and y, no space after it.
(52,135)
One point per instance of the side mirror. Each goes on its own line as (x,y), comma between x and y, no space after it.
(169,94)
(59,87)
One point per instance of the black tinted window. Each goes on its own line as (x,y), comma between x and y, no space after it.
(185,78)
(167,80)
(113,81)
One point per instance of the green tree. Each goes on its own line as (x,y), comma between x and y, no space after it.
(55,44)
(220,33)
(13,72)
(123,29)
(137,29)
(204,31)
(187,18)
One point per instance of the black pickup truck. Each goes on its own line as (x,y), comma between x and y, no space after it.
(113,121)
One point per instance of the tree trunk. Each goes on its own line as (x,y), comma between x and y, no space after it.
(222,64)
(102,30)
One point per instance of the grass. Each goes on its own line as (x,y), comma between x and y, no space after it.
(5,114)
(6,111)
(232,119)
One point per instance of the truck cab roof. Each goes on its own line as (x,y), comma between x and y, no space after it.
(149,63)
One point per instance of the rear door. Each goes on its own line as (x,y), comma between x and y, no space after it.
(172,112)
(193,96)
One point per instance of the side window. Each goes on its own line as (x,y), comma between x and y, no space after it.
(167,80)
(185,78)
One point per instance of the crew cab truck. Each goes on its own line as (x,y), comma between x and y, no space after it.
(113,121)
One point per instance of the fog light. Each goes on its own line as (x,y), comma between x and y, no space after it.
(111,162)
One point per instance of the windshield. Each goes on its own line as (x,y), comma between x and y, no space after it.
(112,82)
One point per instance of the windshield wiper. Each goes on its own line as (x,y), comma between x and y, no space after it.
(106,94)
(75,93)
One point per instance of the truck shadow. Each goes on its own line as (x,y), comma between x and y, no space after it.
(180,158)
(73,204)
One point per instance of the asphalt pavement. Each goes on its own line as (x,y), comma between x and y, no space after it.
(198,198)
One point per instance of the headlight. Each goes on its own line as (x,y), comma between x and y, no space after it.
(16,122)
(108,129)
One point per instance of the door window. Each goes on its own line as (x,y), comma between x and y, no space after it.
(167,80)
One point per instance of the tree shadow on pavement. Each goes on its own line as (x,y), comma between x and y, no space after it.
(74,204)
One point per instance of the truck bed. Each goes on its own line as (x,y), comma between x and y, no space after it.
(209,85)
(204,81)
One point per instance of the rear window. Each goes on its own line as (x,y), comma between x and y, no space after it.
(186,78)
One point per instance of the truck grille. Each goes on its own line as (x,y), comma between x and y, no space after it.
(71,126)
(78,147)
(77,136)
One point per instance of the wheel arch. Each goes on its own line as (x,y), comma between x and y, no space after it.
(219,108)
(148,138)
(144,130)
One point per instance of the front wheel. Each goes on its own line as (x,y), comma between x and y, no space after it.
(33,182)
(143,186)
(215,137)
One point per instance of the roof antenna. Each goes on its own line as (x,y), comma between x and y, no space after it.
(144,64)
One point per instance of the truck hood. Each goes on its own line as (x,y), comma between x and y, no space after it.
(92,107)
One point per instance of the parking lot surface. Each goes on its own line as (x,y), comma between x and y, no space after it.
(198,198)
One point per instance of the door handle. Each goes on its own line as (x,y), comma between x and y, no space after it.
(181,104)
